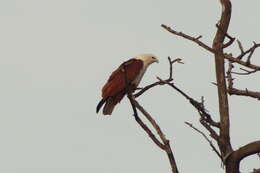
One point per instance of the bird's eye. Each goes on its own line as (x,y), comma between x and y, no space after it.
(153,57)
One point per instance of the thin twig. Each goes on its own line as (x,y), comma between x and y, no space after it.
(194,39)
(246,72)
(234,91)
(147,88)
(250,51)
(240,46)
(206,116)
(239,61)
(171,62)
(205,136)
(226,56)
(212,132)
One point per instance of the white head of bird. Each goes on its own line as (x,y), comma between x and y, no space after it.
(147,58)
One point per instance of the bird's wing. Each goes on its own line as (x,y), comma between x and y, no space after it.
(116,82)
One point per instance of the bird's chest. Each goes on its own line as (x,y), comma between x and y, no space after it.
(139,77)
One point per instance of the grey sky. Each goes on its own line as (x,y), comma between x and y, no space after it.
(55,55)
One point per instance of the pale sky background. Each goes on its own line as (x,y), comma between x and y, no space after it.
(55,56)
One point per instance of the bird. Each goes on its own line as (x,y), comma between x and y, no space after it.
(125,78)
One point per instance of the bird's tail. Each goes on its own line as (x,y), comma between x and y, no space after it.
(109,106)
(100,104)
(110,103)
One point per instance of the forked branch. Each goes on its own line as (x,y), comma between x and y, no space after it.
(241,62)
(233,91)
(171,62)
(227,56)
(165,144)
(250,51)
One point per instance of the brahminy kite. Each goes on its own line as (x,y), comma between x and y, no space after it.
(130,72)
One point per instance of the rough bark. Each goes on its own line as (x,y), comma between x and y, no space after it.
(224,141)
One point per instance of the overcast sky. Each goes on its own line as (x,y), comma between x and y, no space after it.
(55,56)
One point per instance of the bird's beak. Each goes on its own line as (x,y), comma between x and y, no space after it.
(156,60)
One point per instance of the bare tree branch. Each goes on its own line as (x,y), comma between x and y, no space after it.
(240,46)
(171,62)
(145,128)
(233,161)
(203,113)
(219,131)
(239,61)
(233,91)
(212,132)
(248,149)
(138,120)
(231,158)
(146,88)
(166,143)
(194,39)
(231,39)
(224,142)
(151,120)
(246,92)
(250,51)
(212,50)
(207,139)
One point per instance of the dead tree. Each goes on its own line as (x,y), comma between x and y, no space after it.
(218,131)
